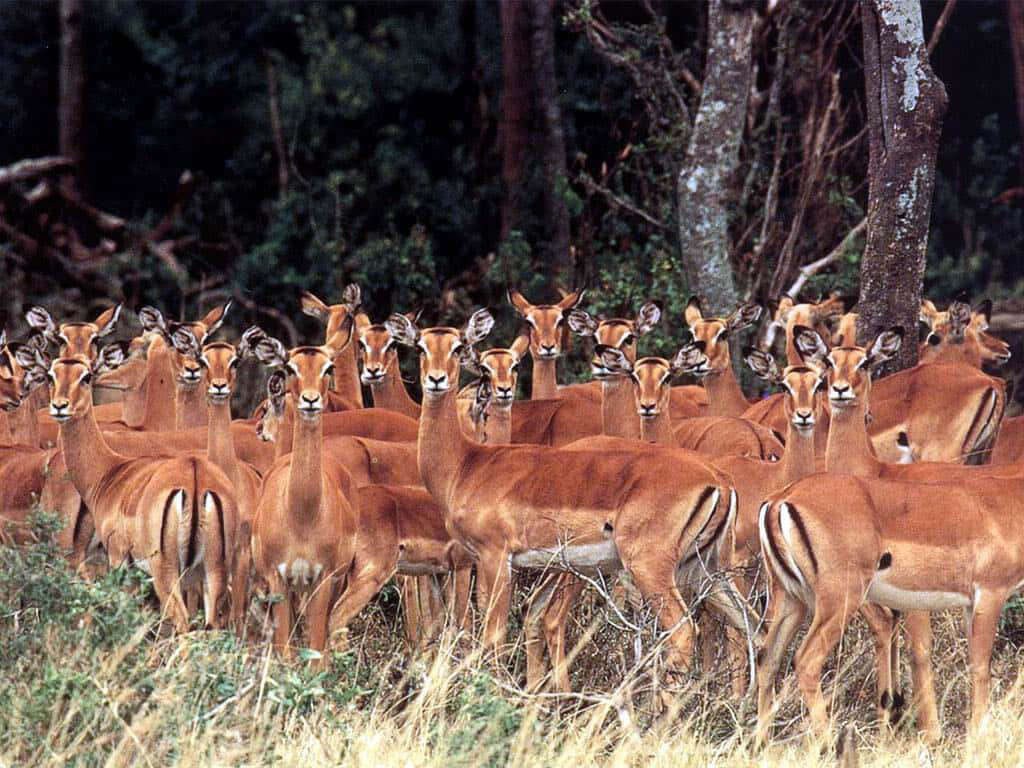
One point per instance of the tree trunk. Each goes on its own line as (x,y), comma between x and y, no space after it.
(706,178)
(515,111)
(71,114)
(553,251)
(906,103)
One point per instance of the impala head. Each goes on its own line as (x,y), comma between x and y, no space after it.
(801,384)
(11,391)
(131,374)
(500,367)
(547,322)
(308,369)
(271,412)
(442,349)
(23,368)
(74,338)
(845,333)
(379,350)
(71,381)
(218,359)
(848,369)
(185,363)
(708,353)
(334,316)
(651,377)
(618,333)
(961,333)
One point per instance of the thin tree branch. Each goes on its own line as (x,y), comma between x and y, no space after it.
(592,186)
(809,270)
(941,25)
(29,169)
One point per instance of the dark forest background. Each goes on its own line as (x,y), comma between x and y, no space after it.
(251,150)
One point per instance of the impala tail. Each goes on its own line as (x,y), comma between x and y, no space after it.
(787,549)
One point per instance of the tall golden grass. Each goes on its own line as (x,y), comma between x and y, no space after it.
(88,679)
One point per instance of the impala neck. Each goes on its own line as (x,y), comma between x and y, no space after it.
(798,458)
(498,427)
(725,398)
(189,407)
(220,447)
(285,431)
(160,394)
(346,375)
(618,408)
(6,438)
(440,447)
(545,378)
(305,472)
(390,393)
(658,429)
(24,422)
(133,405)
(88,457)
(849,450)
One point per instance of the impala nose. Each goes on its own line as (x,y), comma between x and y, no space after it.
(218,389)
(648,410)
(310,403)
(548,350)
(841,392)
(803,417)
(191,375)
(503,393)
(372,373)
(60,409)
(437,383)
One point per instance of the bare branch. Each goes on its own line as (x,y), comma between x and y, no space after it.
(592,186)
(809,270)
(29,169)
(940,25)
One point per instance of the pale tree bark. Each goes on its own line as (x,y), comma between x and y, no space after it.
(515,110)
(71,110)
(553,251)
(706,179)
(906,103)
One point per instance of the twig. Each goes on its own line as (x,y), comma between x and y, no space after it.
(940,25)
(32,167)
(275,124)
(611,197)
(809,270)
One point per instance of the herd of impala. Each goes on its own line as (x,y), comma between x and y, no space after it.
(888,497)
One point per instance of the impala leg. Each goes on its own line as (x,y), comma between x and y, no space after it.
(535,612)
(882,623)
(365,581)
(318,609)
(823,635)
(785,614)
(167,586)
(728,601)
(282,614)
(214,593)
(408,588)
(459,584)
(658,585)
(242,565)
(494,579)
(556,621)
(984,622)
(919,639)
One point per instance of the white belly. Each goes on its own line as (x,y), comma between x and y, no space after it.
(600,557)
(883,593)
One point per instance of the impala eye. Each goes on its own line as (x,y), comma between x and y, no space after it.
(629,338)
(86,379)
(329,370)
(233,363)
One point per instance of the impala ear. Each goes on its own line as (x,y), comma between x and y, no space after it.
(107,320)
(35,376)
(3,337)
(517,300)
(885,346)
(693,311)
(469,359)
(478,326)
(25,355)
(186,343)
(276,389)
(984,309)
(809,344)
(928,312)
(481,400)
(763,365)
(743,317)
(571,299)
(314,307)
(39,319)
(689,356)
(362,321)
(111,357)
(647,318)
(352,297)
(153,321)
(251,336)
(582,323)
(403,329)
(959,319)
(614,360)
(270,351)
(213,320)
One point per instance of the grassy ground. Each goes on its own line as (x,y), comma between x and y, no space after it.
(89,680)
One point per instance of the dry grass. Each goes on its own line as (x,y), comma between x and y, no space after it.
(87,680)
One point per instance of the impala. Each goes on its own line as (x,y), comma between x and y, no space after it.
(523,506)
(788,314)
(549,337)
(172,516)
(219,363)
(336,316)
(707,356)
(302,537)
(381,372)
(961,335)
